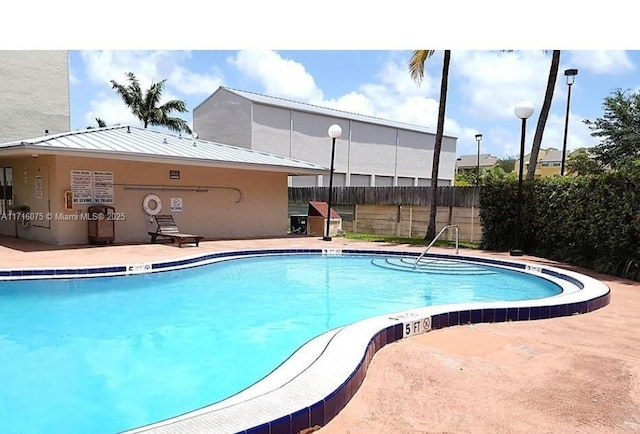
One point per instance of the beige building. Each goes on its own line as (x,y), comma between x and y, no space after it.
(47,185)
(34,93)
(548,165)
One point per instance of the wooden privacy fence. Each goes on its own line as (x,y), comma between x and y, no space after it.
(398,211)
(417,196)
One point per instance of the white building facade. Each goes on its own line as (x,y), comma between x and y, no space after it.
(34,93)
(371,152)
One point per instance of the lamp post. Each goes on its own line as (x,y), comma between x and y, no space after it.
(523,110)
(478,139)
(570,75)
(334,132)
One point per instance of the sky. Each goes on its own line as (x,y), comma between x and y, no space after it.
(339,55)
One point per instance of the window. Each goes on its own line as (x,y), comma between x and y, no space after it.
(6,189)
(551,164)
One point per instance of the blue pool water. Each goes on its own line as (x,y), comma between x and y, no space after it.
(106,354)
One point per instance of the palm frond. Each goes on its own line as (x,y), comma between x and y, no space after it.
(131,94)
(174,124)
(134,84)
(145,106)
(174,105)
(417,62)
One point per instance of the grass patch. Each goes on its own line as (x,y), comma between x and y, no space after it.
(416,241)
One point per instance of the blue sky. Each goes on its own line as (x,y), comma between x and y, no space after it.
(484,86)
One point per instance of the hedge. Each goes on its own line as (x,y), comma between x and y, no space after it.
(591,221)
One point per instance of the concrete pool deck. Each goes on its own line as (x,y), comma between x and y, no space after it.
(567,374)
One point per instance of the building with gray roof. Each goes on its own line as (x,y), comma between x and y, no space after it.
(469,163)
(48,183)
(370,152)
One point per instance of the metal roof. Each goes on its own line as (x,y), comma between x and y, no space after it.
(310,108)
(549,154)
(552,155)
(135,143)
(472,160)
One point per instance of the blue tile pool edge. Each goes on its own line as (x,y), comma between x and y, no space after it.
(590,295)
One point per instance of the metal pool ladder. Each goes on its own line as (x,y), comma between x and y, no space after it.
(415,265)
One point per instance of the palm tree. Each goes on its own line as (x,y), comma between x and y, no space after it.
(146,106)
(416,69)
(544,113)
(100,122)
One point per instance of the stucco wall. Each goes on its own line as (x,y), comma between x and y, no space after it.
(34,93)
(224,118)
(310,142)
(27,173)
(213,213)
(271,130)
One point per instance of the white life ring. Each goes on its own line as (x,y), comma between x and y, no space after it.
(148,199)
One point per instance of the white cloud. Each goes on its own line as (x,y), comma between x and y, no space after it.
(602,62)
(396,75)
(193,83)
(493,82)
(149,66)
(110,109)
(353,102)
(278,76)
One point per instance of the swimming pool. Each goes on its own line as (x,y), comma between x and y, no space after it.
(111,343)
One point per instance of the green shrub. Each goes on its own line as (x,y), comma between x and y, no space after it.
(592,221)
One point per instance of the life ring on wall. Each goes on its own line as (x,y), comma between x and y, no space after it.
(149,201)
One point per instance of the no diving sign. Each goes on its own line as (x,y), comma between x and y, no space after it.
(417,326)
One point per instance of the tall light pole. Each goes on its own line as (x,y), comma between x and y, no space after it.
(478,139)
(523,110)
(334,132)
(570,75)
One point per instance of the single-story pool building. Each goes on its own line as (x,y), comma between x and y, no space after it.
(49,183)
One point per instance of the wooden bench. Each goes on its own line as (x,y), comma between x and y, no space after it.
(167,228)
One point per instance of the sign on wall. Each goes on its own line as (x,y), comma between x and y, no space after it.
(176,204)
(81,185)
(38,185)
(92,187)
(102,187)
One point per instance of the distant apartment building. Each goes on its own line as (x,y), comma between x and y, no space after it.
(370,152)
(470,163)
(548,165)
(34,93)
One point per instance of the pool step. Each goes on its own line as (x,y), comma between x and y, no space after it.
(431,266)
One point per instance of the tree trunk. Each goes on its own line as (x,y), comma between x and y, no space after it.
(544,113)
(437,147)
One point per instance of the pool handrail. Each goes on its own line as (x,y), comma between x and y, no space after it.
(457,230)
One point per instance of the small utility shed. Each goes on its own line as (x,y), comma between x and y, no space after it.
(211,189)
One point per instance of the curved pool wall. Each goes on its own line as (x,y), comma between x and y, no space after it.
(319,379)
